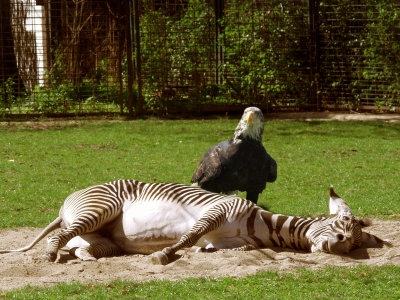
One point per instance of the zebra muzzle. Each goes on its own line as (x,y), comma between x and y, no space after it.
(340,244)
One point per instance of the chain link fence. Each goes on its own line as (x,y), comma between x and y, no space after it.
(68,57)
(359,60)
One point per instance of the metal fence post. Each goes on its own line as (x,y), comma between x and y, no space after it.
(120,45)
(314,53)
(219,30)
(138,59)
(129,56)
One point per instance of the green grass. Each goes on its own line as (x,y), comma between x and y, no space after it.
(39,168)
(328,283)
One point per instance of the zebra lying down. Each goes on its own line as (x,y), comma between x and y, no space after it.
(128,216)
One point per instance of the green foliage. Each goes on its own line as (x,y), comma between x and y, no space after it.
(261,51)
(57,98)
(7,93)
(383,46)
(177,49)
(359,59)
(264,60)
(8,97)
(361,282)
(260,48)
(99,87)
(97,92)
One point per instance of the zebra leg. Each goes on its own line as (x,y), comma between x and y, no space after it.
(96,251)
(84,253)
(247,247)
(89,221)
(84,246)
(207,250)
(211,220)
(92,246)
(58,241)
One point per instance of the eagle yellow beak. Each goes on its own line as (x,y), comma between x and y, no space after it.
(250,117)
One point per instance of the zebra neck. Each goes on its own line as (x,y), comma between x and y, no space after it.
(286,231)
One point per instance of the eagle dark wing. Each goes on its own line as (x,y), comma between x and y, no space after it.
(215,165)
(272,169)
(209,166)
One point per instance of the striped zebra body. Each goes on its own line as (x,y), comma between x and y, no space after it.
(128,216)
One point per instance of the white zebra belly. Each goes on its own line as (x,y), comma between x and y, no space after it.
(149,226)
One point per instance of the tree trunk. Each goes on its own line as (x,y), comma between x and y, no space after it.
(8,60)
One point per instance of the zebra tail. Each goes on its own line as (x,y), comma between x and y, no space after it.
(49,228)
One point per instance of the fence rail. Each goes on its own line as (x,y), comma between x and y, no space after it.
(88,56)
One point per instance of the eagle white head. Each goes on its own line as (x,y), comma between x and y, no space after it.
(251,125)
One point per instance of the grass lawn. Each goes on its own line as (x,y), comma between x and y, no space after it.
(328,283)
(41,166)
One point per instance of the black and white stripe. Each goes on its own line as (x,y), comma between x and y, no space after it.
(128,216)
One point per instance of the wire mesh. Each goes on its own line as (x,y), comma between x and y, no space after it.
(91,56)
(225,53)
(65,57)
(359,52)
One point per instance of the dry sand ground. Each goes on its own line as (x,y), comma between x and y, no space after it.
(20,269)
(333,116)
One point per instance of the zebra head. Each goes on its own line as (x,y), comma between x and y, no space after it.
(342,232)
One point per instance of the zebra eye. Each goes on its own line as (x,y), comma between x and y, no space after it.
(345,218)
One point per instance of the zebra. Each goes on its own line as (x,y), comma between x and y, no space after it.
(132,217)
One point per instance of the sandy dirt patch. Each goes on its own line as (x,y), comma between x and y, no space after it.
(330,116)
(20,269)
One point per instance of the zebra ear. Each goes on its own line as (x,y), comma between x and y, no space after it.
(371,241)
(364,222)
(336,204)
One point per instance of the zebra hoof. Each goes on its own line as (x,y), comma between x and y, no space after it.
(208,250)
(89,258)
(50,257)
(82,253)
(159,258)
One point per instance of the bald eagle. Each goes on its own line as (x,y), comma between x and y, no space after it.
(241,163)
